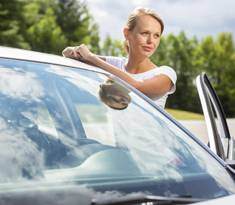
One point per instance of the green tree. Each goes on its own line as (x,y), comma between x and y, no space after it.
(161,56)
(77,24)
(113,47)
(41,29)
(217,60)
(47,25)
(10,18)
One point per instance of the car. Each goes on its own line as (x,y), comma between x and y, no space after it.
(71,133)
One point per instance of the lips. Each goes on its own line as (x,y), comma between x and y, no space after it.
(147,48)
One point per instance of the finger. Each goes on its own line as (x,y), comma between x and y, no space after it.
(77,48)
(67,52)
(79,51)
(78,55)
(75,54)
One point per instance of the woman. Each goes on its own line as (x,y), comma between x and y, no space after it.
(142,33)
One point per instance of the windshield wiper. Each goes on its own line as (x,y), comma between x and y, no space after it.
(140,198)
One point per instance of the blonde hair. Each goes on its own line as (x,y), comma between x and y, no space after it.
(137,12)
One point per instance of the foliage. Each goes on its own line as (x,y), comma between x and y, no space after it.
(216,57)
(10,17)
(113,47)
(47,25)
(40,27)
(77,24)
(51,25)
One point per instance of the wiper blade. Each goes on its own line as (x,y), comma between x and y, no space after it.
(140,198)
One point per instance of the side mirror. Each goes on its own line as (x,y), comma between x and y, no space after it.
(221,143)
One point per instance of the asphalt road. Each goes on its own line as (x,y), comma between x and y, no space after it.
(198,128)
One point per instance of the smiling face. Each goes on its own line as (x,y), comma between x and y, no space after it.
(144,38)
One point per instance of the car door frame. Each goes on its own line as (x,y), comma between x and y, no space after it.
(220,140)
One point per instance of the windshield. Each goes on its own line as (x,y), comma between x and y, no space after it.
(66,124)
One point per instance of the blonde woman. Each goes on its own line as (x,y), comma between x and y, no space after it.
(142,37)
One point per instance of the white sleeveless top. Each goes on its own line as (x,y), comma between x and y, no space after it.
(165,70)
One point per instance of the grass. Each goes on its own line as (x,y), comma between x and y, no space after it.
(185,115)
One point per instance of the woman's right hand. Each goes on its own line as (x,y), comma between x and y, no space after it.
(70,52)
(80,53)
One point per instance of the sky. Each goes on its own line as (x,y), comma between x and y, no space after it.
(195,17)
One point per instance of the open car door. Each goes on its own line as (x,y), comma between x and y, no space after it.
(220,141)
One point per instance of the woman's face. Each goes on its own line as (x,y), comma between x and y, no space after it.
(145,37)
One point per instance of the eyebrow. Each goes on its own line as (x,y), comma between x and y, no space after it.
(158,32)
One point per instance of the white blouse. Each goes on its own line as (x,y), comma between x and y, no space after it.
(165,70)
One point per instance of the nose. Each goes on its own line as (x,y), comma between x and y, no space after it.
(150,39)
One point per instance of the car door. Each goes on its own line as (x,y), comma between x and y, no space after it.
(220,140)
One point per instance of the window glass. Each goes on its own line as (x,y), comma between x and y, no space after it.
(74,124)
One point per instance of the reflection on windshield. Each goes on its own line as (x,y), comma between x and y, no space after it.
(20,85)
(20,158)
(71,124)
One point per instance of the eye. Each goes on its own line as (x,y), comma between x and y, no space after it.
(157,35)
(145,33)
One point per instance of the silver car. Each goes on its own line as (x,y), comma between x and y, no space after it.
(71,134)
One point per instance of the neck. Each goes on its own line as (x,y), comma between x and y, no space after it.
(138,65)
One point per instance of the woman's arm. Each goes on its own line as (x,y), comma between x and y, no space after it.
(154,87)
(70,52)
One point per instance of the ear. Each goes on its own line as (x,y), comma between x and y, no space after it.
(126,32)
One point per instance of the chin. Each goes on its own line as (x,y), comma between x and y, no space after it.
(147,54)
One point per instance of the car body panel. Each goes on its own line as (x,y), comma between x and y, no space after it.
(14,53)
(52,107)
(228,200)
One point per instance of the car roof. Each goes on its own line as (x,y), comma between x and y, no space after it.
(21,54)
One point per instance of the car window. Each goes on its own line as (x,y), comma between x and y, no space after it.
(61,123)
(220,140)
